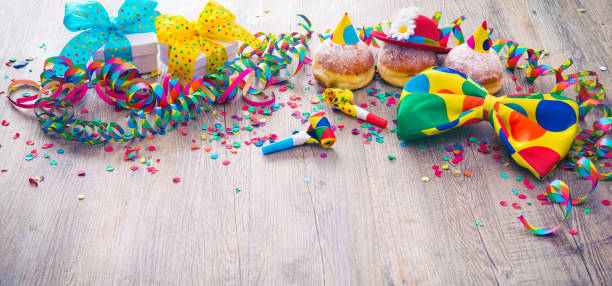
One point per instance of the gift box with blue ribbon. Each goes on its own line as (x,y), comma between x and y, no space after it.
(130,35)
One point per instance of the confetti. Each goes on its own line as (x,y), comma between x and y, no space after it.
(53,163)
(587,210)
(425,179)
(176,179)
(81,197)
(572,231)
(109,148)
(306,180)
(467,173)
(503,175)
(503,203)
(391,157)
(110,168)
(214,156)
(225,162)
(323,155)
(478,223)
(582,10)
(605,202)
(81,173)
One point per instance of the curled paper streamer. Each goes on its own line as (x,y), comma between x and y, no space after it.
(134,16)
(342,99)
(558,192)
(319,132)
(172,102)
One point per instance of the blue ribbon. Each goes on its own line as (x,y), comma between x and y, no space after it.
(134,16)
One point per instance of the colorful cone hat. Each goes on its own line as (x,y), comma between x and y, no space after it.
(480,41)
(345,34)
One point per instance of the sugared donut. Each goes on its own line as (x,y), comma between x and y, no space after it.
(485,68)
(396,64)
(343,66)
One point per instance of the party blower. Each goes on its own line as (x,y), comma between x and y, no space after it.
(319,132)
(342,99)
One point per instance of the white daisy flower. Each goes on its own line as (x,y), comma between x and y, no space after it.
(402,26)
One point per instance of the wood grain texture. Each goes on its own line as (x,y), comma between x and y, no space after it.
(360,220)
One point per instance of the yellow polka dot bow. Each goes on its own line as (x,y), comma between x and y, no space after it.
(186,39)
(537,129)
(134,16)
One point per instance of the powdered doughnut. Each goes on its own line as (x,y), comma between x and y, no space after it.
(343,66)
(485,68)
(396,64)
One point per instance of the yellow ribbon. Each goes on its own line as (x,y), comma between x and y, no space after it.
(186,39)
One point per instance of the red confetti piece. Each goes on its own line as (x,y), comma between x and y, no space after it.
(33,182)
(30,142)
(16,135)
(503,203)
(518,88)
(572,231)
(84,111)
(364,105)
(513,78)
(109,149)
(81,173)
(225,163)
(438,173)
(282,89)
(134,168)
(152,148)
(5,123)
(531,90)
(605,202)
(176,179)
(516,205)
(522,197)
(153,170)
(47,145)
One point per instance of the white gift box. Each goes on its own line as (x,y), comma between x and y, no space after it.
(144,51)
(231,47)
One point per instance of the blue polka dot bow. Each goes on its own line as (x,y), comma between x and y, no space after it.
(134,16)
(537,129)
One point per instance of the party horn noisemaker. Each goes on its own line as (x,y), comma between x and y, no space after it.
(319,132)
(342,99)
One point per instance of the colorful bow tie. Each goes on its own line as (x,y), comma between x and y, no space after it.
(186,39)
(134,16)
(538,129)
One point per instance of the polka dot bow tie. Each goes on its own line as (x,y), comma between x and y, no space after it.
(134,16)
(537,129)
(187,39)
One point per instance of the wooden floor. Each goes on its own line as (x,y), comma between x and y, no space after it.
(353,218)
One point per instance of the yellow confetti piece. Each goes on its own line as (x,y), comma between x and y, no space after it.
(316,100)
(143,160)
(506,164)
(457,172)
(445,166)
(81,197)
(203,137)
(266,11)
(425,179)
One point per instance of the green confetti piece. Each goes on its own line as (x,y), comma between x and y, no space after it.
(237,190)
(445,158)
(534,12)
(110,168)
(52,162)
(587,210)
(339,117)
(290,86)
(529,203)
(249,128)
(421,146)
(503,175)
(582,10)
(472,139)
(478,223)
(236,144)
(440,148)
(519,178)
(391,157)
(12,60)
(46,156)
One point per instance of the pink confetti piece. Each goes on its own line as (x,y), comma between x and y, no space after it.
(47,145)
(109,149)
(30,142)
(16,135)
(134,168)
(503,203)
(516,205)
(81,173)
(84,111)
(152,170)
(518,88)
(225,162)
(176,179)
(282,89)
(605,202)
(522,197)
(5,123)
(152,148)
(572,231)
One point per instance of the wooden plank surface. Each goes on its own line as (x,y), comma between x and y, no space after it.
(360,219)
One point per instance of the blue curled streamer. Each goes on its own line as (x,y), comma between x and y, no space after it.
(134,16)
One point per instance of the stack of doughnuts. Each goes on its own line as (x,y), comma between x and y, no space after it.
(410,45)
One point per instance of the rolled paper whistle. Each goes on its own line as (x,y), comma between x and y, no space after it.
(319,132)
(342,99)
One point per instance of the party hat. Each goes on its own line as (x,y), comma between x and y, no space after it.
(345,33)
(480,41)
